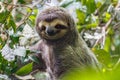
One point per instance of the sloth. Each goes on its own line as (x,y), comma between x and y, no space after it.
(61,45)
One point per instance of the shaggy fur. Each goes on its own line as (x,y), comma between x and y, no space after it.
(61,55)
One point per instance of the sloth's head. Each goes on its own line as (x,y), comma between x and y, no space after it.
(54,23)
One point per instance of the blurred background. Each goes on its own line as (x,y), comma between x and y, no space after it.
(98,22)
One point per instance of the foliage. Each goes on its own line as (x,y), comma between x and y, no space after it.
(97,21)
(25,69)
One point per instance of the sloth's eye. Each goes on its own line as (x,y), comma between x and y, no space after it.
(43,28)
(59,26)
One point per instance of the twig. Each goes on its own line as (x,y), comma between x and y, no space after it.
(16,5)
(104,28)
(116,26)
(28,14)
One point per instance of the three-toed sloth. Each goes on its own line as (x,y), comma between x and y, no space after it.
(61,46)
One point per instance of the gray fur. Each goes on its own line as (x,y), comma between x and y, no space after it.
(66,53)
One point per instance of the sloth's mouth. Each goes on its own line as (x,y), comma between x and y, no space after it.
(52,37)
(52,33)
(55,36)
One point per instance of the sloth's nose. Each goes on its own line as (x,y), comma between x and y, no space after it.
(50,32)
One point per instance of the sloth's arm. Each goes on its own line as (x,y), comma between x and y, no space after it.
(36,49)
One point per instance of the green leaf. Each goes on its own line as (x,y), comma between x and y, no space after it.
(7,70)
(104,7)
(98,4)
(65,3)
(79,28)
(115,54)
(21,1)
(103,56)
(25,69)
(92,25)
(78,74)
(9,1)
(32,20)
(107,44)
(3,16)
(81,16)
(107,17)
(34,59)
(14,38)
(12,24)
(90,4)
(20,28)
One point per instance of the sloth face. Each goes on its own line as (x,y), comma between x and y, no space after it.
(52,30)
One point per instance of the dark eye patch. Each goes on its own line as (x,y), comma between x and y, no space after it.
(43,27)
(59,26)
